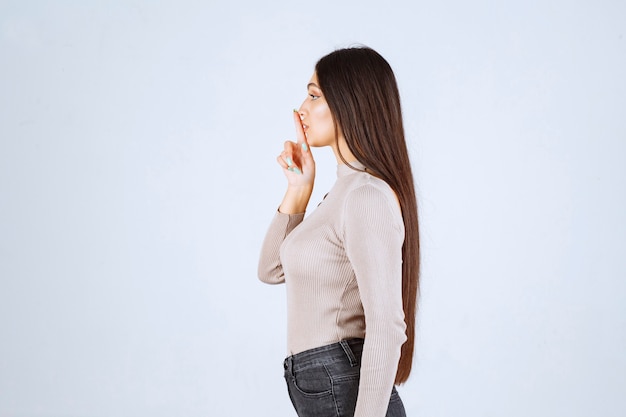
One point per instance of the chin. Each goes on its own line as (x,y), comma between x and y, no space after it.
(312,142)
(316,143)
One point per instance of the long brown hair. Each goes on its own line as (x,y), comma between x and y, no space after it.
(362,94)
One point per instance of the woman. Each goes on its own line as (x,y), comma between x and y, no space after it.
(352,266)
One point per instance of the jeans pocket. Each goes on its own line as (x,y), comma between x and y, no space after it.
(313,382)
(311,393)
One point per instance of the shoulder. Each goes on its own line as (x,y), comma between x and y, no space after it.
(369,197)
(366,188)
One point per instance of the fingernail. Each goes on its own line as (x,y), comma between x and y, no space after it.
(289,161)
(290,169)
(304,147)
(297,171)
(295,111)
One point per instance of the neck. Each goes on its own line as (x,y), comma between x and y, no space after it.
(340,148)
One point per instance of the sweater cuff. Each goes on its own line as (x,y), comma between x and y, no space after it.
(288,221)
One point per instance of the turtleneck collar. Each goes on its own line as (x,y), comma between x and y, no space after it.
(343,169)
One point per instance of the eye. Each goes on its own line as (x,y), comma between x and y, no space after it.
(313,96)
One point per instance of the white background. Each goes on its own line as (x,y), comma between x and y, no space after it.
(138,177)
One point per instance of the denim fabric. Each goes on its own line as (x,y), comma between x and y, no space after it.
(324,382)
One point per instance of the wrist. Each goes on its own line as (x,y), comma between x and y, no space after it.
(296,199)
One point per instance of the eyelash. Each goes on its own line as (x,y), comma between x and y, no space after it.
(313,96)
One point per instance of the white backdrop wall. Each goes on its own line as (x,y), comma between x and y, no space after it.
(137,179)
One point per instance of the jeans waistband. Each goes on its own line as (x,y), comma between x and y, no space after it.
(345,350)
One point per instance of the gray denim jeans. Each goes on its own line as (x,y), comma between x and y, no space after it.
(324,382)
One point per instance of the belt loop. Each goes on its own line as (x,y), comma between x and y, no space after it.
(346,348)
(288,365)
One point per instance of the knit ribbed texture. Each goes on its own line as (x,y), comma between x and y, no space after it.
(343,269)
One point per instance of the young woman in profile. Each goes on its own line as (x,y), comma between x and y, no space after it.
(352,266)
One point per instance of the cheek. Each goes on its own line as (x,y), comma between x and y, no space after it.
(324,120)
(322,134)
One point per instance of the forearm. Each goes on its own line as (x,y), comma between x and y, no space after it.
(270,269)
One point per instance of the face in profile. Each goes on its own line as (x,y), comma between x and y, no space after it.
(316,117)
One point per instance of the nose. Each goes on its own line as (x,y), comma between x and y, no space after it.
(303,109)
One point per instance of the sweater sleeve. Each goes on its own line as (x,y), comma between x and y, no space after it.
(270,268)
(373,236)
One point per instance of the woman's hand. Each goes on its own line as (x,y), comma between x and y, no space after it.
(296,158)
(299,168)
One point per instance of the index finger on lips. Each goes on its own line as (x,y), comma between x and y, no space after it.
(299,129)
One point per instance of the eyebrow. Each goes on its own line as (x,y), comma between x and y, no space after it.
(309,85)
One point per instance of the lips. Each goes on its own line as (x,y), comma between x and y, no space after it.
(305,127)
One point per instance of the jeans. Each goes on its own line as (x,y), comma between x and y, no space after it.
(324,382)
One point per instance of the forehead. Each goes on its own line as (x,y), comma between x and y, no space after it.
(313,80)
